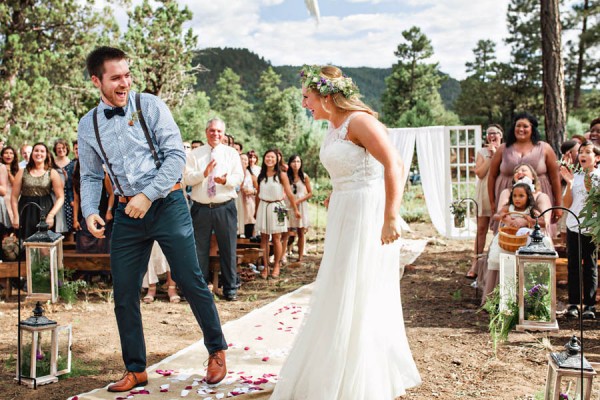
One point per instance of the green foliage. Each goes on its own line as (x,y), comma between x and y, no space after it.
(501,322)
(412,83)
(449,91)
(43,45)
(457,295)
(229,102)
(192,116)
(70,289)
(413,207)
(589,213)
(161,52)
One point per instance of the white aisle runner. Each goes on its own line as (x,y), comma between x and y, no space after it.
(258,345)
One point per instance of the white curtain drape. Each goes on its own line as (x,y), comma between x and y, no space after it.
(433,162)
(404,141)
(433,159)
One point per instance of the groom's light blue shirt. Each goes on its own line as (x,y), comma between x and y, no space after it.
(128,152)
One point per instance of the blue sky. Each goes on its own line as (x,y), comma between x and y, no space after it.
(350,33)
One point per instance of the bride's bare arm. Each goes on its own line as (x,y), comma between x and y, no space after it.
(366,131)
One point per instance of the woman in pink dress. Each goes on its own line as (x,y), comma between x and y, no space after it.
(524,146)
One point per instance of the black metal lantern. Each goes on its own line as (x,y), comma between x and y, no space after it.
(565,372)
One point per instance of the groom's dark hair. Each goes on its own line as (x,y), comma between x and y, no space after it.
(95,60)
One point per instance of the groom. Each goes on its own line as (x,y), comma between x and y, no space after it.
(143,153)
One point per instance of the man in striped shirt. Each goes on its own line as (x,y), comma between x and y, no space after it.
(151,207)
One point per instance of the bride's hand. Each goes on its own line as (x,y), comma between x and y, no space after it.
(390,231)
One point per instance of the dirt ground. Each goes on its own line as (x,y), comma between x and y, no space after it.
(448,336)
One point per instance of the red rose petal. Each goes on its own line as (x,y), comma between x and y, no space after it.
(265,359)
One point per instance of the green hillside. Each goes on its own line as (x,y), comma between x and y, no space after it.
(249,66)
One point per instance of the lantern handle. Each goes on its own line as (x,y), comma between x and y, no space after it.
(469,199)
(19,234)
(580,277)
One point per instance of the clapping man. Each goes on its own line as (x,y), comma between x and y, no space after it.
(214,171)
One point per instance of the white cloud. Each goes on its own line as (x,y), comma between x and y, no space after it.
(453,26)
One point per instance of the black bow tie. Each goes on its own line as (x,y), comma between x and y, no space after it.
(111,112)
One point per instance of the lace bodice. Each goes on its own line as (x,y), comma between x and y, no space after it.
(350,166)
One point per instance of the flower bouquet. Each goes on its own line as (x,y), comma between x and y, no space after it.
(537,303)
(281,212)
(459,211)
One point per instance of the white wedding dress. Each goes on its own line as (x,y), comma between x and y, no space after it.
(352,344)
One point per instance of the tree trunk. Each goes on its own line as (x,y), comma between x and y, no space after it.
(553,74)
(581,52)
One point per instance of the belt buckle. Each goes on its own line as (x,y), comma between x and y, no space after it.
(211,205)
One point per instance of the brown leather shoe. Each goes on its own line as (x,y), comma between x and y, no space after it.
(129,381)
(217,369)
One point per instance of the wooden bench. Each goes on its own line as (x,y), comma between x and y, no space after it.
(244,256)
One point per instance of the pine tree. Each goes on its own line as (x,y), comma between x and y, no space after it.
(43,45)
(412,79)
(229,101)
(161,51)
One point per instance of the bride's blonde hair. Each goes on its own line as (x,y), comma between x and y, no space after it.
(335,78)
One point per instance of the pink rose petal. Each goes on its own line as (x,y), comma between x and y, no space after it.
(259,338)
(265,359)
(246,348)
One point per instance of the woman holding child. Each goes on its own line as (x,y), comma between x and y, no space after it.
(522,173)
(524,145)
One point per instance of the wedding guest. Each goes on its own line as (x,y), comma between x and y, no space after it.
(524,145)
(214,170)
(523,173)
(65,166)
(5,221)
(25,154)
(578,188)
(85,242)
(493,139)
(302,191)
(159,265)
(151,208)
(238,147)
(35,184)
(595,132)
(271,214)
(248,193)
(9,159)
(253,166)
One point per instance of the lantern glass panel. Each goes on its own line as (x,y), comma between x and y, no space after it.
(537,290)
(44,274)
(569,385)
(63,357)
(36,348)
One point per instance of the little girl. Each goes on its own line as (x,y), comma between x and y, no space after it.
(272,184)
(302,191)
(578,186)
(519,212)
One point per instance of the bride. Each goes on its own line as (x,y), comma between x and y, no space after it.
(352,344)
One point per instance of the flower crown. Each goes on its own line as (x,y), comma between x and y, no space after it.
(310,75)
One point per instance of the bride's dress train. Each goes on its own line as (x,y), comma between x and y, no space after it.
(352,344)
